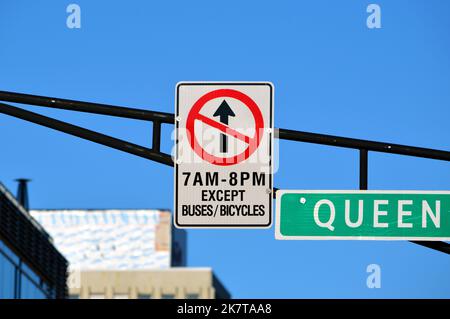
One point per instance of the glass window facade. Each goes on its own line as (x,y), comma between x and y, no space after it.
(19,281)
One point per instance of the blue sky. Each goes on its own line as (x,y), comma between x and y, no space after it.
(331,74)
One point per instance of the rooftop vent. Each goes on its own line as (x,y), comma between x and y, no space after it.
(22,192)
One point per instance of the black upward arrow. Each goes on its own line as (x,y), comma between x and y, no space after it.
(224,111)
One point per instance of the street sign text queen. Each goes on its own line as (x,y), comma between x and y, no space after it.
(376,215)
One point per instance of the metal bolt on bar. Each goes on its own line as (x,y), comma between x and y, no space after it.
(159,118)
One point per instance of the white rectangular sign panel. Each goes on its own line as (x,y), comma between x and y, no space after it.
(223,154)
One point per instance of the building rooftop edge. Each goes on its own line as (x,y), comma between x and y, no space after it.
(145,269)
(16,203)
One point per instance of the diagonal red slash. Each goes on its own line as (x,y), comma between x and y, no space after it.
(225,129)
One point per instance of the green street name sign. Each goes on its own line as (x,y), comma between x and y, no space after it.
(371,215)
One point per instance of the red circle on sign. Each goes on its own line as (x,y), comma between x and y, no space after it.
(253,142)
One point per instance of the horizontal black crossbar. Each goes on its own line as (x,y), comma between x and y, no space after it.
(436,245)
(87,107)
(362,144)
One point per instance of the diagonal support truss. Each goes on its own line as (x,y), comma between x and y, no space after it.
(86,134)
(159,118)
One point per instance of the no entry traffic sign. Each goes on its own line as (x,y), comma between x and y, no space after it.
(223,154)
(224,111)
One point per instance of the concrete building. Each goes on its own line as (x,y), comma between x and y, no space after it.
(127,254)
(180,283)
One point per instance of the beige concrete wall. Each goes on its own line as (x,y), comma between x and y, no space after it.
(176,282)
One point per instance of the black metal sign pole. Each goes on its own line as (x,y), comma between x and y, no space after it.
(87,107)
(363,183)
(159,118)
(85,134)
